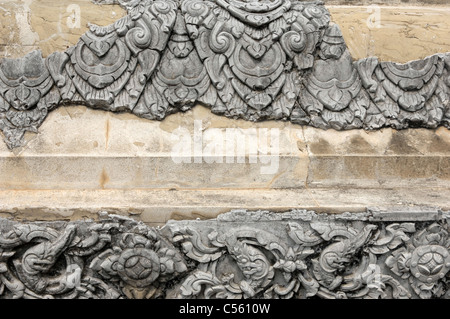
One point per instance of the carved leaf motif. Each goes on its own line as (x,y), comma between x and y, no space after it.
(150,31)
(23,82)
(309,284)
(152,104)
(329,231)
(390,238)
(427,290)
(313,19)
(389,108)
(165,12)
(193,285)
(106,264)
(195,248)
(256,13)
(294,41)
(366,69)
(303,237)
(182,78)
(130,94)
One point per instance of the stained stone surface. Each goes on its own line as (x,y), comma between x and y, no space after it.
(123,152)
(125,165)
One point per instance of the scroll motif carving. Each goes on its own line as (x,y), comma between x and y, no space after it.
(297,254)
(334,96)
(27,95)
(254,60)
(408,94)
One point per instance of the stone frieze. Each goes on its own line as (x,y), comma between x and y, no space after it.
(242,254)
(253,60)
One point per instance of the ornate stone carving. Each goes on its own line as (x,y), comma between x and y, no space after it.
(255,60)
(27,95)
(334,96)
(241,254)
(412,94)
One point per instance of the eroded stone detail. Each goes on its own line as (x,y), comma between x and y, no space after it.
(27,94)
(241,254)
(254,60)
(407,94)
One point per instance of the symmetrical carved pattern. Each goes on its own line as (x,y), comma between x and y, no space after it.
(255,60)
(241,254)
(406,94)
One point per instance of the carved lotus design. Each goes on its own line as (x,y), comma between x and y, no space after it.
(100,60)
(411,93)
(414,82)
(27,94)
(425,263)
(245,47)
(181,78)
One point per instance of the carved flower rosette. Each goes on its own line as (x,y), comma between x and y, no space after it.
(425,262)
(139,262)
(117,258)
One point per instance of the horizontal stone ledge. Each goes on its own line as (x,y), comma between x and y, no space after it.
(121,151)
(272,172)
(156,207)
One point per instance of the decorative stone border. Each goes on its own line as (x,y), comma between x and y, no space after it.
(297,254)
(257,60)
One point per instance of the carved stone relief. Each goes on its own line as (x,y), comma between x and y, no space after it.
(241,254)
(254,60)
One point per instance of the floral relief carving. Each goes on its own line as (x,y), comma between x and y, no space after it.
(425,262)
(255,60)
(297,254)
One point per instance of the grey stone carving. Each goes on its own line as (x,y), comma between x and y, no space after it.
(254,60)
(408,94)
(334,96)
(241,254)
(27,94)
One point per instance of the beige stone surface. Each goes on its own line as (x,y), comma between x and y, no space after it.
(48,25)
(79,148)
(405,30)
(394,33)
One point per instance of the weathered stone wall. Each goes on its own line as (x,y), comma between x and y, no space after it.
(120,163)
(379,200)
(83,161)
